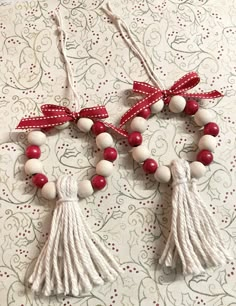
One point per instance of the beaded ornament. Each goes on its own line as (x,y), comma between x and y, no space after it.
(194,237)
(73,260)
(56,115)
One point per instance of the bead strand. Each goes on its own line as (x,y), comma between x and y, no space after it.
(139,152)
(207,142)
(104,168)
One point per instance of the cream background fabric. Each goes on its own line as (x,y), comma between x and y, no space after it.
(131,216)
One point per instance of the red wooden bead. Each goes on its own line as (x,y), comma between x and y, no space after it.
(98,182)
(211,128)
(150,165)
(191,107)
(135,139)
(39,180)
(110,154)
(205,157)
(33,151)
(145,113)
(98,128)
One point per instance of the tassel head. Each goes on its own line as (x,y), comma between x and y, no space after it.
(180,172)
(67,188)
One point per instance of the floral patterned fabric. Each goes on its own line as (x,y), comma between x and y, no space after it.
(132,215)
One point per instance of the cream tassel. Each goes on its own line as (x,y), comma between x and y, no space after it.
(194,236)
(72,260)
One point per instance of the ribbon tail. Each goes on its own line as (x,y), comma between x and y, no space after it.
(42,122)
(138,107)
(204,95)
(118,130)
(21,125)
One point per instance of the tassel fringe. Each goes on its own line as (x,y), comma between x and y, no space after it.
(72,260)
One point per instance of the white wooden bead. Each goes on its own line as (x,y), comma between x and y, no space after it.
(85,189)
(37,138)
(157,107)
(177,104)
(33,166)
(163,174)
(202,117)
(140,154)
(138,124)
(104,168)
(49,191)
(62,126)
(207,142)
(85,124)
(197,169)
(104,140)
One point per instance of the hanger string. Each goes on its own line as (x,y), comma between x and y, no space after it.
(63,38)
(128,38)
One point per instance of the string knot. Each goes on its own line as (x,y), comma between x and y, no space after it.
(167,93)
(74,115)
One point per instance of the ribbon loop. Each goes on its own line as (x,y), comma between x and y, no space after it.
(188,81)
(144,88)
(96,112)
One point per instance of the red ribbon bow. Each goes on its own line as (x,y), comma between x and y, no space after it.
(55,115)
(154,94)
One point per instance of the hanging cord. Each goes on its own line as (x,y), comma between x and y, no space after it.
(63,38)
(123,28)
